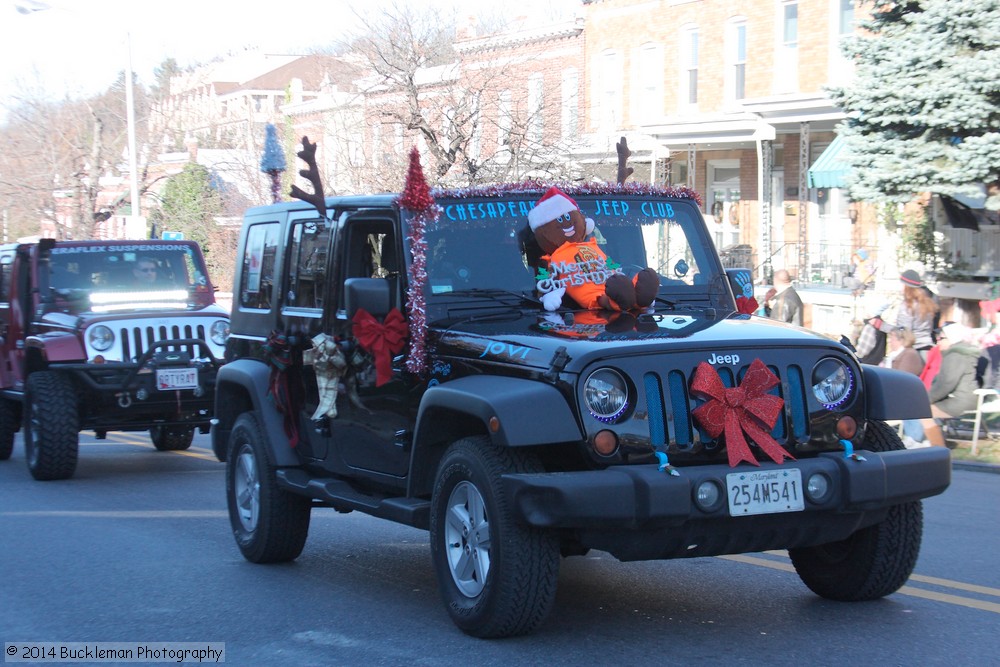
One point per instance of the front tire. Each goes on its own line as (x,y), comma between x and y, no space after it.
(875,561)
(498,578)
(51,428)
(270,524)
(10,418)
(171,438)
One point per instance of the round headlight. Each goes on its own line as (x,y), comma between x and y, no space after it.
(101,338)
(606,394)
(832,382)
(219,332)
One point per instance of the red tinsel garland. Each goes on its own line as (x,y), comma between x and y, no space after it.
(416,197)
(571,189)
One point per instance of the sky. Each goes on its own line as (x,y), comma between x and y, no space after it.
(57,48)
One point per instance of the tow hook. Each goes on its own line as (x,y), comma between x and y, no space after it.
(124,400)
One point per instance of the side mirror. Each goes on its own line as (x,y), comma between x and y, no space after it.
(372,294)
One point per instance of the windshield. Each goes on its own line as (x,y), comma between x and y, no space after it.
(122,274)
(482,244)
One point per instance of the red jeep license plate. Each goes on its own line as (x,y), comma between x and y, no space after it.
(176,378)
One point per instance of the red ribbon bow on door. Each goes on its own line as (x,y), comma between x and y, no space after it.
(744,409)
(380,339)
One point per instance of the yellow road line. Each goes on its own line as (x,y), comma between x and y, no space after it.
(905,590)
(126,438)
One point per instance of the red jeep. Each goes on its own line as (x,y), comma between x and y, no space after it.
(107,336)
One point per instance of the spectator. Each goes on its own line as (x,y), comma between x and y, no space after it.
(782,302)
(953,389)
(862,272)
(917,311)
(903,357)
(901,354)
(871,343)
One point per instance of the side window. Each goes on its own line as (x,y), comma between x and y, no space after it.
(5,268)
(307,251)
(257,276)
(371,251)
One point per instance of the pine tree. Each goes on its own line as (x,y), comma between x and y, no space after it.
(923,112)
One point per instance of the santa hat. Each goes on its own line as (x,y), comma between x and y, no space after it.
(553,203)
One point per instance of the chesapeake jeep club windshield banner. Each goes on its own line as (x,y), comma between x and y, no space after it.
(602,210)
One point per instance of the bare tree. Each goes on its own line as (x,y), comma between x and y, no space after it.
(474,112)
(62,157)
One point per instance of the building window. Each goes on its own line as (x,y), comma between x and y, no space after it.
(648,83)
(786,69)
(609,90)
(505,119)
(535,118)
(397,131)
(845,17)
(476,141)
(737,49)
(570,104)
(689,66)
(842,25)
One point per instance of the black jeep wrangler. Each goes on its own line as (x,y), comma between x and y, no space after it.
(395,359)
(105,335)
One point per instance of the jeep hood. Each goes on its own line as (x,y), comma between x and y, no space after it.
(532,340)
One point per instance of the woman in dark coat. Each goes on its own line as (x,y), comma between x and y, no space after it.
(953,390)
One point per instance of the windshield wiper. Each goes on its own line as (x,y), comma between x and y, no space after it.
(494,294)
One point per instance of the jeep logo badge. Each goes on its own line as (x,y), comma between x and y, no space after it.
(724,359)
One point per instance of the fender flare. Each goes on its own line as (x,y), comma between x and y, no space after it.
(253,377)
(57,346)
(894,394)
(528,412)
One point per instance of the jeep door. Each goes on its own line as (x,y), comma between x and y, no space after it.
(375,412)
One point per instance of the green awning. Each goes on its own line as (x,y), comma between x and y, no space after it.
(829,169)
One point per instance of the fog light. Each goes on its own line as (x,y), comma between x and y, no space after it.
(817,487)
(708,496)
(605,443)
(142,394)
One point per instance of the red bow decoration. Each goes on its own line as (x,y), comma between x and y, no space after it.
(278,352)
(746,408)
(746,305)
(380,339)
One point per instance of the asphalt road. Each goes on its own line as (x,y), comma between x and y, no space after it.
(137,548)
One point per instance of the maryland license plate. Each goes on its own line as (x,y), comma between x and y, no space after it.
(176,378)
(765,492)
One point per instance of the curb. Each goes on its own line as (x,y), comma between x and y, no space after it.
(976,465)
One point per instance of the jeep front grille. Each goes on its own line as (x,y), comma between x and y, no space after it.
(671,403)
(136,340)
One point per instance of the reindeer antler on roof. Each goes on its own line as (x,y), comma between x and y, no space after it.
(317,199)
(623,155)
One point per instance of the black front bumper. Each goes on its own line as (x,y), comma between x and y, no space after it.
(639,512)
